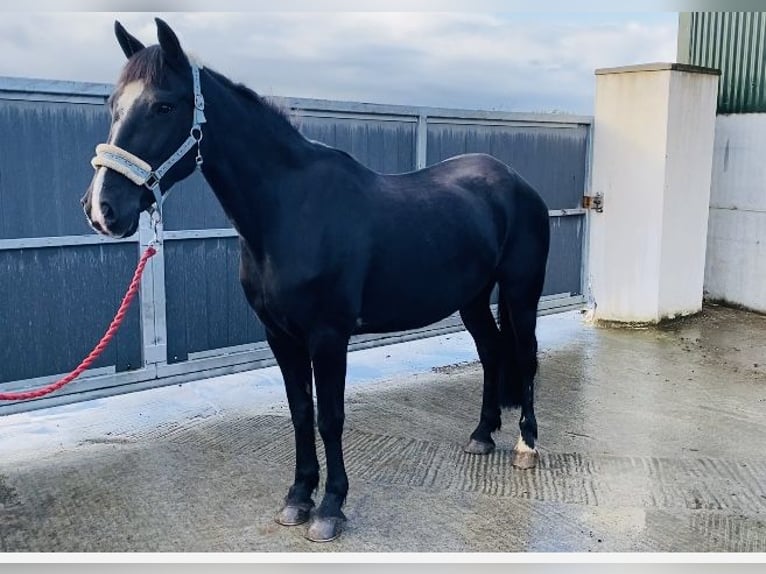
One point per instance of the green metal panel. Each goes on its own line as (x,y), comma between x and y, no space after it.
(732,42)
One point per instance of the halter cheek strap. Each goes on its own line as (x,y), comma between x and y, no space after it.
(140,172)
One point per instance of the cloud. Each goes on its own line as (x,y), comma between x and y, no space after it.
(473,60)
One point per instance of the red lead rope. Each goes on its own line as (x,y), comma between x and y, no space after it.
(98,349)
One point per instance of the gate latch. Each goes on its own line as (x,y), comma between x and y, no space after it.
(594,202)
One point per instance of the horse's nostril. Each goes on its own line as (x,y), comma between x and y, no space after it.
(97,225)
(107,212)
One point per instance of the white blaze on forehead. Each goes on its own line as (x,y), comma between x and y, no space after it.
(125,102)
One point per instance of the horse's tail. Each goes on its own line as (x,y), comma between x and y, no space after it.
(510,390)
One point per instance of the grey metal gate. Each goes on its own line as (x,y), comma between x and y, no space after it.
(60,283)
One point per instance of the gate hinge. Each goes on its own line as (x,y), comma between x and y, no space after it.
(594,202)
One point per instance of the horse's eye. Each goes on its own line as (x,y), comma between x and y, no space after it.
(163,108)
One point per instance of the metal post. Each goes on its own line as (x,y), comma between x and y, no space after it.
(421,139)
(153,320)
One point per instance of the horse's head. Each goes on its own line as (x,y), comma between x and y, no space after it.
(153,108)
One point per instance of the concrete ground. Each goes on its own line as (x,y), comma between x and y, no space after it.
(650,440)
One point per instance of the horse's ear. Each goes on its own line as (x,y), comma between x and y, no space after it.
(169,43)
(128,43)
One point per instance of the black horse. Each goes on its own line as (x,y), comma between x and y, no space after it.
(330,248)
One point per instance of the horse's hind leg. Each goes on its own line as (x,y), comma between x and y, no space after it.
(524,321)
(518,321)
(478,320)
(295,363)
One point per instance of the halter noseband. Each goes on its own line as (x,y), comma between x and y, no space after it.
(140,172)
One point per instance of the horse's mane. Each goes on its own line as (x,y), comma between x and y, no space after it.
(251,95)
(150,65)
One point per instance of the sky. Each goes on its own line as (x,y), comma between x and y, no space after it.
(518,61)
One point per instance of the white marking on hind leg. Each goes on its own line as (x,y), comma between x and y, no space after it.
(522,446)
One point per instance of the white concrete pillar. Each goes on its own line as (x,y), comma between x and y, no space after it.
(652,154)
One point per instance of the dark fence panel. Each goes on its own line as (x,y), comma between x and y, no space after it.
(551,159)
(386,146)
(192,205)
(206,307)
(565,257)
(45,151)
(56,303)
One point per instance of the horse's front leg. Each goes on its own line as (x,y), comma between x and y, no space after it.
(328,353)
(295,363)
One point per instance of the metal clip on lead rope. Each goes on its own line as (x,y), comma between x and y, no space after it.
(156,221)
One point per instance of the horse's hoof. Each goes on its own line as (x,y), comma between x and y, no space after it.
(293,514)
(325,529)
(478,447)
(525,459)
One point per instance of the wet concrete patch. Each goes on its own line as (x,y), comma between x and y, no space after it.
(651,440)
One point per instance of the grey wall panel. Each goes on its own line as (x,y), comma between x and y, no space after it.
(551,159)
(563,272)
(56,303)
(45,151)
(206,307)
(385,146)
(192,205)
(565,257)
